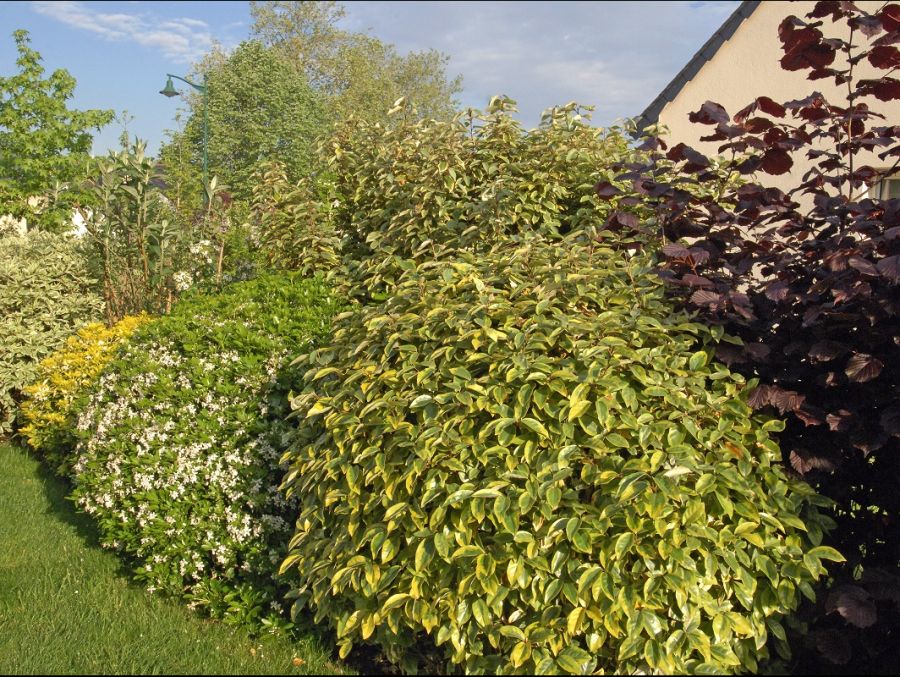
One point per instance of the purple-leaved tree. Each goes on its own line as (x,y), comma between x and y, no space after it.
(808,280)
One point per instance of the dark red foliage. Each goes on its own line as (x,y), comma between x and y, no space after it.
(833,645)
(810,281)
(890,17)
(776,161)
(622,221)
(885,56)
(853,603)
(862,367)
(710,113)
(890,267)
(605,189)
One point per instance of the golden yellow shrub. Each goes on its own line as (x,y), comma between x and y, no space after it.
(63,377)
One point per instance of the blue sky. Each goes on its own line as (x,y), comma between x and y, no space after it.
(615,55)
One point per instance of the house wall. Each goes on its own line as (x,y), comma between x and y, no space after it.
(10,224)
(747,66)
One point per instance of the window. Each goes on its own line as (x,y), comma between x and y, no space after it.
(886,189)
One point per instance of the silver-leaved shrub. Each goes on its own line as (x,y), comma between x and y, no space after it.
(528,455)
(46,294)
(178,458)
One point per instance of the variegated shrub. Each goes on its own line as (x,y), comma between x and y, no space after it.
(529,456)
(420,189)
(46,295)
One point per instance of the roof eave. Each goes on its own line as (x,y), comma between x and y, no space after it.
(650,115)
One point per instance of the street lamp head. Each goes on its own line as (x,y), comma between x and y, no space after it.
(169,89)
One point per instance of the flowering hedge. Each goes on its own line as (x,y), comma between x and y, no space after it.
(66,375)
(180,443)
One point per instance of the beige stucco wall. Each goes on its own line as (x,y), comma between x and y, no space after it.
(747,66)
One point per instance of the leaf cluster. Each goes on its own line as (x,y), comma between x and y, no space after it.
(132,244)
(425,189)
(292,222)
(145,248)
(527,455)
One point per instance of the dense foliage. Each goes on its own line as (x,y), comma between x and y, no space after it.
(428,188)
(131,242)
(44,145)
(526,454)
(46,294)
(180,442)
(292,222)
(145,252)
(65,376)
(808,280)
(260,107)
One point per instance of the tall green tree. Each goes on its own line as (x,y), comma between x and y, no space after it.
(260,108)
(357,73)
(44,145)
(180,161)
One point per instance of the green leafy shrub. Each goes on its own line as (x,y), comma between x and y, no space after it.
(292,222)
(145,247)
(469,180)
(529,456)
(46,294)
(63,377)
(422,189)
(180,442)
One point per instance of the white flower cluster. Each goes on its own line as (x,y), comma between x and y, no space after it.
(180,468)
(203,252)
(183,280)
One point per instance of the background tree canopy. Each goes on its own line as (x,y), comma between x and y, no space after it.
(44,145)
(356,73)
(275,95)
(260,106)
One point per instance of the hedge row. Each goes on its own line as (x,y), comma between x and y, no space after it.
(510,447)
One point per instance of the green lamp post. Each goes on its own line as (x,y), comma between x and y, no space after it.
(170,91)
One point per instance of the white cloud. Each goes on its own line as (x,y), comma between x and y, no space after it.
(196,23)
(615,55)
(183,40)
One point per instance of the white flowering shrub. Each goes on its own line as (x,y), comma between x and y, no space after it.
(179,443)
(201,265)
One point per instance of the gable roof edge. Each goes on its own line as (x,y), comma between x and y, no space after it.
(650,115)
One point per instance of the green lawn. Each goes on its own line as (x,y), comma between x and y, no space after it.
(67,607)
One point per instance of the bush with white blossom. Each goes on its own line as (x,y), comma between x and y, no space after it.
(180,441)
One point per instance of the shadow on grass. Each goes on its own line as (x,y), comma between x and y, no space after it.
(364,659)
(57,490)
